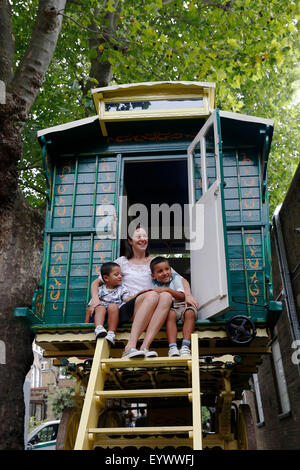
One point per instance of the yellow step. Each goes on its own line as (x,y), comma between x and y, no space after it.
(150,362)
(142,430)
(143,393)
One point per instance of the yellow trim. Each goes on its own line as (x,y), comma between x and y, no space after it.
(158,114)
(157,89)
(90,411)
(113,363)
(153,92)
(138,114)
(144,393)
(143,430)
(155,97)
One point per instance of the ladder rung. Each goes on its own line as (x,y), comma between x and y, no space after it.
(143,430)
(154,361)
(161,392)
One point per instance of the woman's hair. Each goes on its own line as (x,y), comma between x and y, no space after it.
(128,248)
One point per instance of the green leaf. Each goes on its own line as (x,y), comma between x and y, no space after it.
(236,82)
(233,43)
(252,53)
(92,53)
(111,6)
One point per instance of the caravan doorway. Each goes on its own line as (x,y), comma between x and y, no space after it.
(155,194)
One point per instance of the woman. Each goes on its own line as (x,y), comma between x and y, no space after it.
(146,308)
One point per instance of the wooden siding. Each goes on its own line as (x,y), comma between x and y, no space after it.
(73,254)
(245,220)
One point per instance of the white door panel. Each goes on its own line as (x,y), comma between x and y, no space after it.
(208,276)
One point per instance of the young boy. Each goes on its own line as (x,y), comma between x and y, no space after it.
(112,296)
(164,280)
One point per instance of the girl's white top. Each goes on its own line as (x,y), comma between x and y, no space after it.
(135,277)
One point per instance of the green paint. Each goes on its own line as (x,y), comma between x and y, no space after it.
(88,295)
(66,293)
(223,207)
(46,276)
(52,196)
(245,270)
(95,190)
(78,264)
(74,192)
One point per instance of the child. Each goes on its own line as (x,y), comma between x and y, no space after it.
(165,280)
(112,295)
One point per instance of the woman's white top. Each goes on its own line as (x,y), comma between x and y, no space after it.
(135,277)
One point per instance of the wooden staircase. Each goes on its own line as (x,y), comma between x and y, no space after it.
(89,435)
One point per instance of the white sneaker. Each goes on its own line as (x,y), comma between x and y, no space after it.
(133,353)
(100,332)
(185,351)
(149,353)
(173,351)
(110,337)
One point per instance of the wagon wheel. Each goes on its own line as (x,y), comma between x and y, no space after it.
(246,429)
(240,329)
(68,427)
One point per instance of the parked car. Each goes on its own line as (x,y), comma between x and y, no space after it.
(43,437)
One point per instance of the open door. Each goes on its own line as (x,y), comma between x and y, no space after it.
(210,280)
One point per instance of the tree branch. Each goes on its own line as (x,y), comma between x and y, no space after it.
(30,167)
(34,188)
(35,62)
(7,44)
(101,70)
(81,25)
(226,7)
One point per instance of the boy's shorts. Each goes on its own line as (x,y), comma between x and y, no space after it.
(180,309)
(125,312)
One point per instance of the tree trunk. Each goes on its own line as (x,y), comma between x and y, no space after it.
(20,264)
(30,74)
(101,70)
(21,225)
(6,42)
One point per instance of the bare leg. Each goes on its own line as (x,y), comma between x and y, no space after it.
(157,319)
(171,327)
(189,324)
(145,305)
(99,315)
(113,317)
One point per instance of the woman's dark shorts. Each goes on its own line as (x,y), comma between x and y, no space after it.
(126,311)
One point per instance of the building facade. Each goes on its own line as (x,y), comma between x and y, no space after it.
(45,378)
(275,390)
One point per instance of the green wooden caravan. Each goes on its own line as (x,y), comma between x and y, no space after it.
(160,154)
